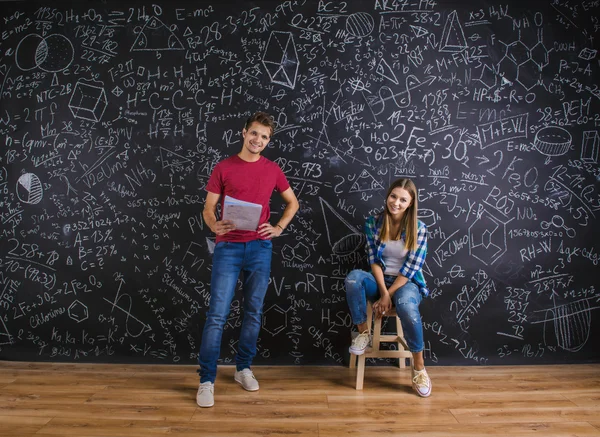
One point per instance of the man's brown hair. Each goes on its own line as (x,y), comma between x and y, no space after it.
(262,118)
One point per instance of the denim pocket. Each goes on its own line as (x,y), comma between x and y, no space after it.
(266,244)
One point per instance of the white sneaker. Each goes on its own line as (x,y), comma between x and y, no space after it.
(206,395)
(360,343)
(421,382)
(247,379)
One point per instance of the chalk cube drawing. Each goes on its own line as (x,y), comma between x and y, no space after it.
(587,54)
(281,59)
(88,102)
(590,146)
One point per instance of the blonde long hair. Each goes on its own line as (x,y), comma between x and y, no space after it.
(409,219)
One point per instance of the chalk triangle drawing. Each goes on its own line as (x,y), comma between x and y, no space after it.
(365,182)
(5,337)
(343,238)
(383,69)
(453,37)
(419,31)
(172,159)
(155,35)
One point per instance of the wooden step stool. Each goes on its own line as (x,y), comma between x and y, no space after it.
(402,352)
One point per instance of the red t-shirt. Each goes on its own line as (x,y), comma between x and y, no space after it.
(248,181)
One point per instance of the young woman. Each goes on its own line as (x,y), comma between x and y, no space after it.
(396,246)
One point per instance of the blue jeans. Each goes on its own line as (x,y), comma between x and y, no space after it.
(361,285)
(229,259)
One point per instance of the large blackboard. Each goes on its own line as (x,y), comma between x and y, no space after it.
(113,115)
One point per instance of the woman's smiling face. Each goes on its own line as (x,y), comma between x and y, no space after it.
(398,202)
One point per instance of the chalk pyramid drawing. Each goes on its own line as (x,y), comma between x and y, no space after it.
(281,59)
(384,69)
(155,35)
(453,37)
(365,182)
(172,159)
(419,31)
(343,238)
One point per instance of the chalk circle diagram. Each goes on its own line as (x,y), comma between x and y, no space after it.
(156,35)
(360,24)
(342,236)
(552,141)
(29,189)
(51,54)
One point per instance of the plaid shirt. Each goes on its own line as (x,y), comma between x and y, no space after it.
(412,267)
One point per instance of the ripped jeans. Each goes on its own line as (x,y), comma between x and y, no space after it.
(361,285)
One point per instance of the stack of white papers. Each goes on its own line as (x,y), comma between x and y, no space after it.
(245,215)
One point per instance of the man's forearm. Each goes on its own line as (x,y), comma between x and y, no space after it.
(288,214)
(210,219)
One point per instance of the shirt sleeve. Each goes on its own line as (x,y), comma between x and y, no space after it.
(282,183)
(215,182)
(371,234)
(416,258)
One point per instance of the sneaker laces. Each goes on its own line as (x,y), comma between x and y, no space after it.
(247,373)
(362,340)
(206,387)
(421,378)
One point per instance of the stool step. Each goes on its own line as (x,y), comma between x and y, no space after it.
(401,352)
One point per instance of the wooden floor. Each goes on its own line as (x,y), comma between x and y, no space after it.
(127,400)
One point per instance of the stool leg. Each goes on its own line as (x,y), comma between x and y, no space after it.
(360,374)
(401,361)
(376,334)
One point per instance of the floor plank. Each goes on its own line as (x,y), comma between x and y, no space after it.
(393,429)
(56,399)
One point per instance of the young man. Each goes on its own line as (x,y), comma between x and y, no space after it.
(249,177)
